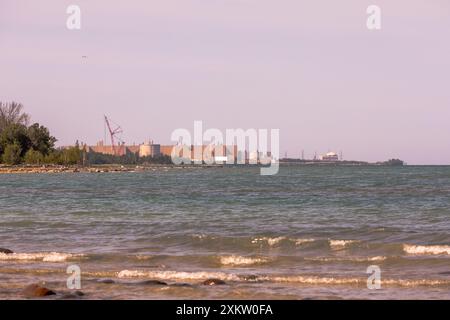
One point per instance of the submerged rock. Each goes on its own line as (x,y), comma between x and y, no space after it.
(181,285)
(106,281)
(74,295)
(7,251)
(153,283)
(213,282)
(34,290)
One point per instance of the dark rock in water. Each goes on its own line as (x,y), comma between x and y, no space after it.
(34,290)
(181,285)
(153,283)
(445,273)
(7,251)
(74,295)
(213,282)
(106,281)
(250,277)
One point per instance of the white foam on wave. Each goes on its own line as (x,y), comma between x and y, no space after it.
(199,236)
(177,275)
(315,280)
(270,241)
(312,280)
(423,250)
(241,261)
(42,256)
(337,244)
(299,242)
(343,259)
(415,283)
(276,240)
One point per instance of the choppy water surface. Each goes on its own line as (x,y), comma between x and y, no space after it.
(308,232)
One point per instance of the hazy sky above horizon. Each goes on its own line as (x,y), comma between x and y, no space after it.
(310,68)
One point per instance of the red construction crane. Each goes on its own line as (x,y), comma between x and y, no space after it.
(114,133)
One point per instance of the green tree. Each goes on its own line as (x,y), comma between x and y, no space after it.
(15,134)
(53,157)
(12,113)
(71,155)
(14,130)
(40,139)
(12,153)
(33,157)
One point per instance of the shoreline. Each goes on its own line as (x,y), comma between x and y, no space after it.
(49,169)
(105,168)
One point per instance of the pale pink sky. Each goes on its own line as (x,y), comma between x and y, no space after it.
(310,68)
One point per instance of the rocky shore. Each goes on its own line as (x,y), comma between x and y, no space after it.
(63,169)
(48,169)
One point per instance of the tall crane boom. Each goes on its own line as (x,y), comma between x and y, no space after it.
(114,132)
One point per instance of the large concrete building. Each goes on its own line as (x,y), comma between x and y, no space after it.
(149,149)
(207,153)
(119,150)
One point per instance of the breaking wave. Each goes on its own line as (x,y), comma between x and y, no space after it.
(344,259)
(294,279)
(299,242)
(423,250)
(276,240)
(42,256)
(337,244)
(241,261)
(177,275)
(313,280)
(269,241)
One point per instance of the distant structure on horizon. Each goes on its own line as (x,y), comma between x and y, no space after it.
(220,153)
(330,156)
(145,149)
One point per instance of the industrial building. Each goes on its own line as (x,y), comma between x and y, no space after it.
(207,153)
(330,156)
(143,150)
(193,153)
(149,149)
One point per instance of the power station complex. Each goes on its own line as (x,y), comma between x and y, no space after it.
(211,153)
(143,150)
(194,153)
(219,153)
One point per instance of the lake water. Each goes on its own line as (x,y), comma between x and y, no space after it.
(307,233)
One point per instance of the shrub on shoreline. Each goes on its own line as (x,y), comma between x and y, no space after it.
(20,142)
